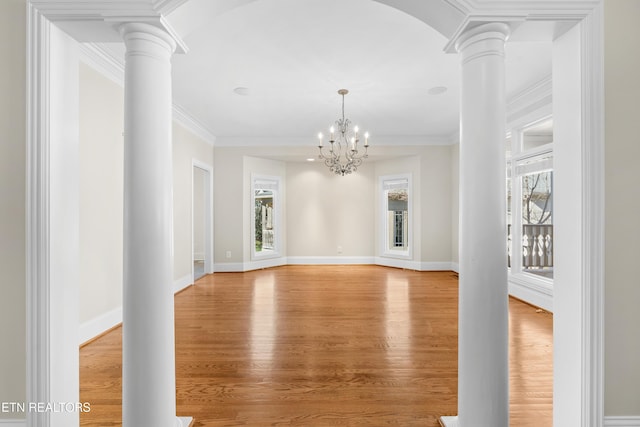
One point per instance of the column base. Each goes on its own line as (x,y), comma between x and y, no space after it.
(449,422)
(184,421)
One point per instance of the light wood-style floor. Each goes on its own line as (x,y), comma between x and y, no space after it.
(324,346)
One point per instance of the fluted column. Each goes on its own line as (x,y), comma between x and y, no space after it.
(483,363)
(149,389)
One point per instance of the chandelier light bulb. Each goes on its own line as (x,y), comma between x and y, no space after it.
(342,156)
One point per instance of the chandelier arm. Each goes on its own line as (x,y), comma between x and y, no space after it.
(344,140)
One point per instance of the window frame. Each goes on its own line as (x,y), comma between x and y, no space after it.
(273,183)
(384,223)
(517,165)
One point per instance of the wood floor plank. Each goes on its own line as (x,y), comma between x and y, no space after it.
(324,346)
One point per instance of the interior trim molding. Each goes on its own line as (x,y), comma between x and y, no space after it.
(112,67)
(101,60)
(330,260)
(535,97)
(264,263)
(592,54)
(37,211)
(182,283)
(537,295)
(627,421)
(228,267)
(183,117)
(99,325)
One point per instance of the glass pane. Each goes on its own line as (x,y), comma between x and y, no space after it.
(537,223)
(265,222)
(397,219)
(537,135)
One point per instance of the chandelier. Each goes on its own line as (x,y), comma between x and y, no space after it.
(343,156)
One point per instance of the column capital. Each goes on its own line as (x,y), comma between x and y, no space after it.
(482,40)
(155,26)
(478,26)
(145,39)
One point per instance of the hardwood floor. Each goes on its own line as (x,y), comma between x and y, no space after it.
(324,346)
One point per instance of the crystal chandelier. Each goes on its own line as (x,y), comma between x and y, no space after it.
(343,156)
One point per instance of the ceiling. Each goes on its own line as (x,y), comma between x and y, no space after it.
(288,58)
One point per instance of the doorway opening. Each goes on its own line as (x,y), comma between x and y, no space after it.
(202,220)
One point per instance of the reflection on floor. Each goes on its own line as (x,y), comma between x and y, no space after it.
(198,269)
(319,346)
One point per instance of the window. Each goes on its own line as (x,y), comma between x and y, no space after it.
(265,216)
(395,215)
(537,223)
(530,201)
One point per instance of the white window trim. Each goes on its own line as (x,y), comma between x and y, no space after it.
(277,207)
(521,283)
(383,226)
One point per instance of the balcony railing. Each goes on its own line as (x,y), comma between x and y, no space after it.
(537,246)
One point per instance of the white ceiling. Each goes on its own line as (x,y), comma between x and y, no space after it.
(293,56)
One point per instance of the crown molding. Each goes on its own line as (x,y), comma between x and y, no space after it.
(195,126)
(533,98)
(165,7)
(300,141)
(111,66)
(102,60)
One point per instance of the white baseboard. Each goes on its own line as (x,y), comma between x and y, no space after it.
(538,295)
(436,266)
(336,260)
(228,267)
(182,283)
(449,421)
(239,267)
(614,421)
(106,321)
(455,267)
(264,263)
(100,324)
(329,260)
(13,423)
(415,265)
(398,263)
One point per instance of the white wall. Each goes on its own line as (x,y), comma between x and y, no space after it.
(101,200)
(186,147)
(455,203)
(432,203)
(199,199)
(326,214)
(326,211)
(12,204)
(227,206)
(622,208)
(101,196)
